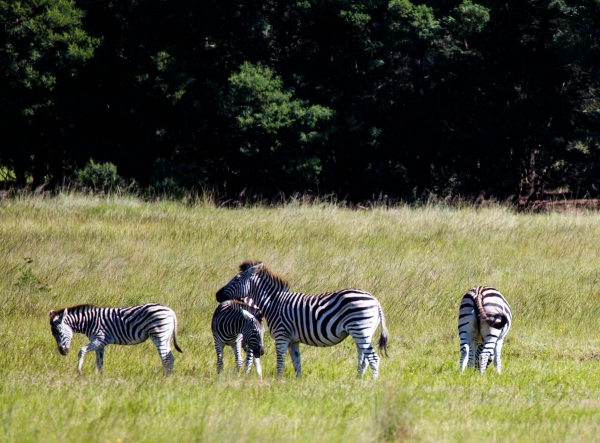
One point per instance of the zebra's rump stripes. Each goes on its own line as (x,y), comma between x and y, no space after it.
(484,317)
(122,326)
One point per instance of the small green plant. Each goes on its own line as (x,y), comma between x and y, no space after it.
(28,280)
(99,177)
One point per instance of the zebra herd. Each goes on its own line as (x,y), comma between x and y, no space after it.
(317,320)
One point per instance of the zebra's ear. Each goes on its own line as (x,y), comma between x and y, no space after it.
(257,268)
(52,314)
(247,315)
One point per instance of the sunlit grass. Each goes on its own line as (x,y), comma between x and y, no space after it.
(118,251)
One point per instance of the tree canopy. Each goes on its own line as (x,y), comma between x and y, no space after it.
(358,98)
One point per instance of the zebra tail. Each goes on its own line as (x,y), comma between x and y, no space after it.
(479,302)
(383,338)
(175,335)
(497,321)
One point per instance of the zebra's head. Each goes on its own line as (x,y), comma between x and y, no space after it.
(61,331)
(253,333)
(239,286)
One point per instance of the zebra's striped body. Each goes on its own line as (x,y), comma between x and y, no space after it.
(238,325)
(120,326)
(484,317)
(316,320)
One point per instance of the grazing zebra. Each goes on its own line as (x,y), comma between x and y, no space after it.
(484,317)
(238,325)
(120,326)
(316,320)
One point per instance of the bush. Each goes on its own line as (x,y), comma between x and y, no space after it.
(99,177)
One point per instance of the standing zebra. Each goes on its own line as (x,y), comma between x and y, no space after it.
(316,320)
(238,325)
(484,316)
(120,326)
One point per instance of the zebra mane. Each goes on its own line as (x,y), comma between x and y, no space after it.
(247,264)
(277,279)
(84,307)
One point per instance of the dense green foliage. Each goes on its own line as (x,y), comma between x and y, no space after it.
(361,98)
(121,251)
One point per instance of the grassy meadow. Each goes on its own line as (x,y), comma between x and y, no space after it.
(418,262)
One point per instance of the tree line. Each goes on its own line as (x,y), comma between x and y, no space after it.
(361,98)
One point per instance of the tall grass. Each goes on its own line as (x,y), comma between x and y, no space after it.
(121,251)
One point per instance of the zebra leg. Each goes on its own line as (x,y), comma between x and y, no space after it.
(464,356)
(295,354)
(366,354)
(468,353)
(100,359)
(468,330)
(80,357)
(258,367)
(237,351)
(219,351)
(164,351)
(472,353)
(479,350)
(249,359)
(94,345)
(497,358)
(478,353)
(483,360)
(362,362)
(489,345)
(168,363)
(373,359)
(281,346)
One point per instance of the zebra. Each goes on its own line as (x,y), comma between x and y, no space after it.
(484,319)
(238,325)
(121,326)
(316,320)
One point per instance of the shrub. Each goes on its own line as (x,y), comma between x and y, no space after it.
(99,177)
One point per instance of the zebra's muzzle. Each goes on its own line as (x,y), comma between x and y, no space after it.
(257,352)
(63,350)
(220,296)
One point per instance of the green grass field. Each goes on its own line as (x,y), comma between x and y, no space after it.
(418,262)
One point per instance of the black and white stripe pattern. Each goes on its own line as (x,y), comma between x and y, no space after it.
(120,326)
(484,317)
(238,325)
(316,320)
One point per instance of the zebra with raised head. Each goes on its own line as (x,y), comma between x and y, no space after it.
(120,326)
(239,325)
(316,320)
(484,319)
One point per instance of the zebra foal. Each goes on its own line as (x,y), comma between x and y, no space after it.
(316,320)
(484,319)
(238,325)
(120,326)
